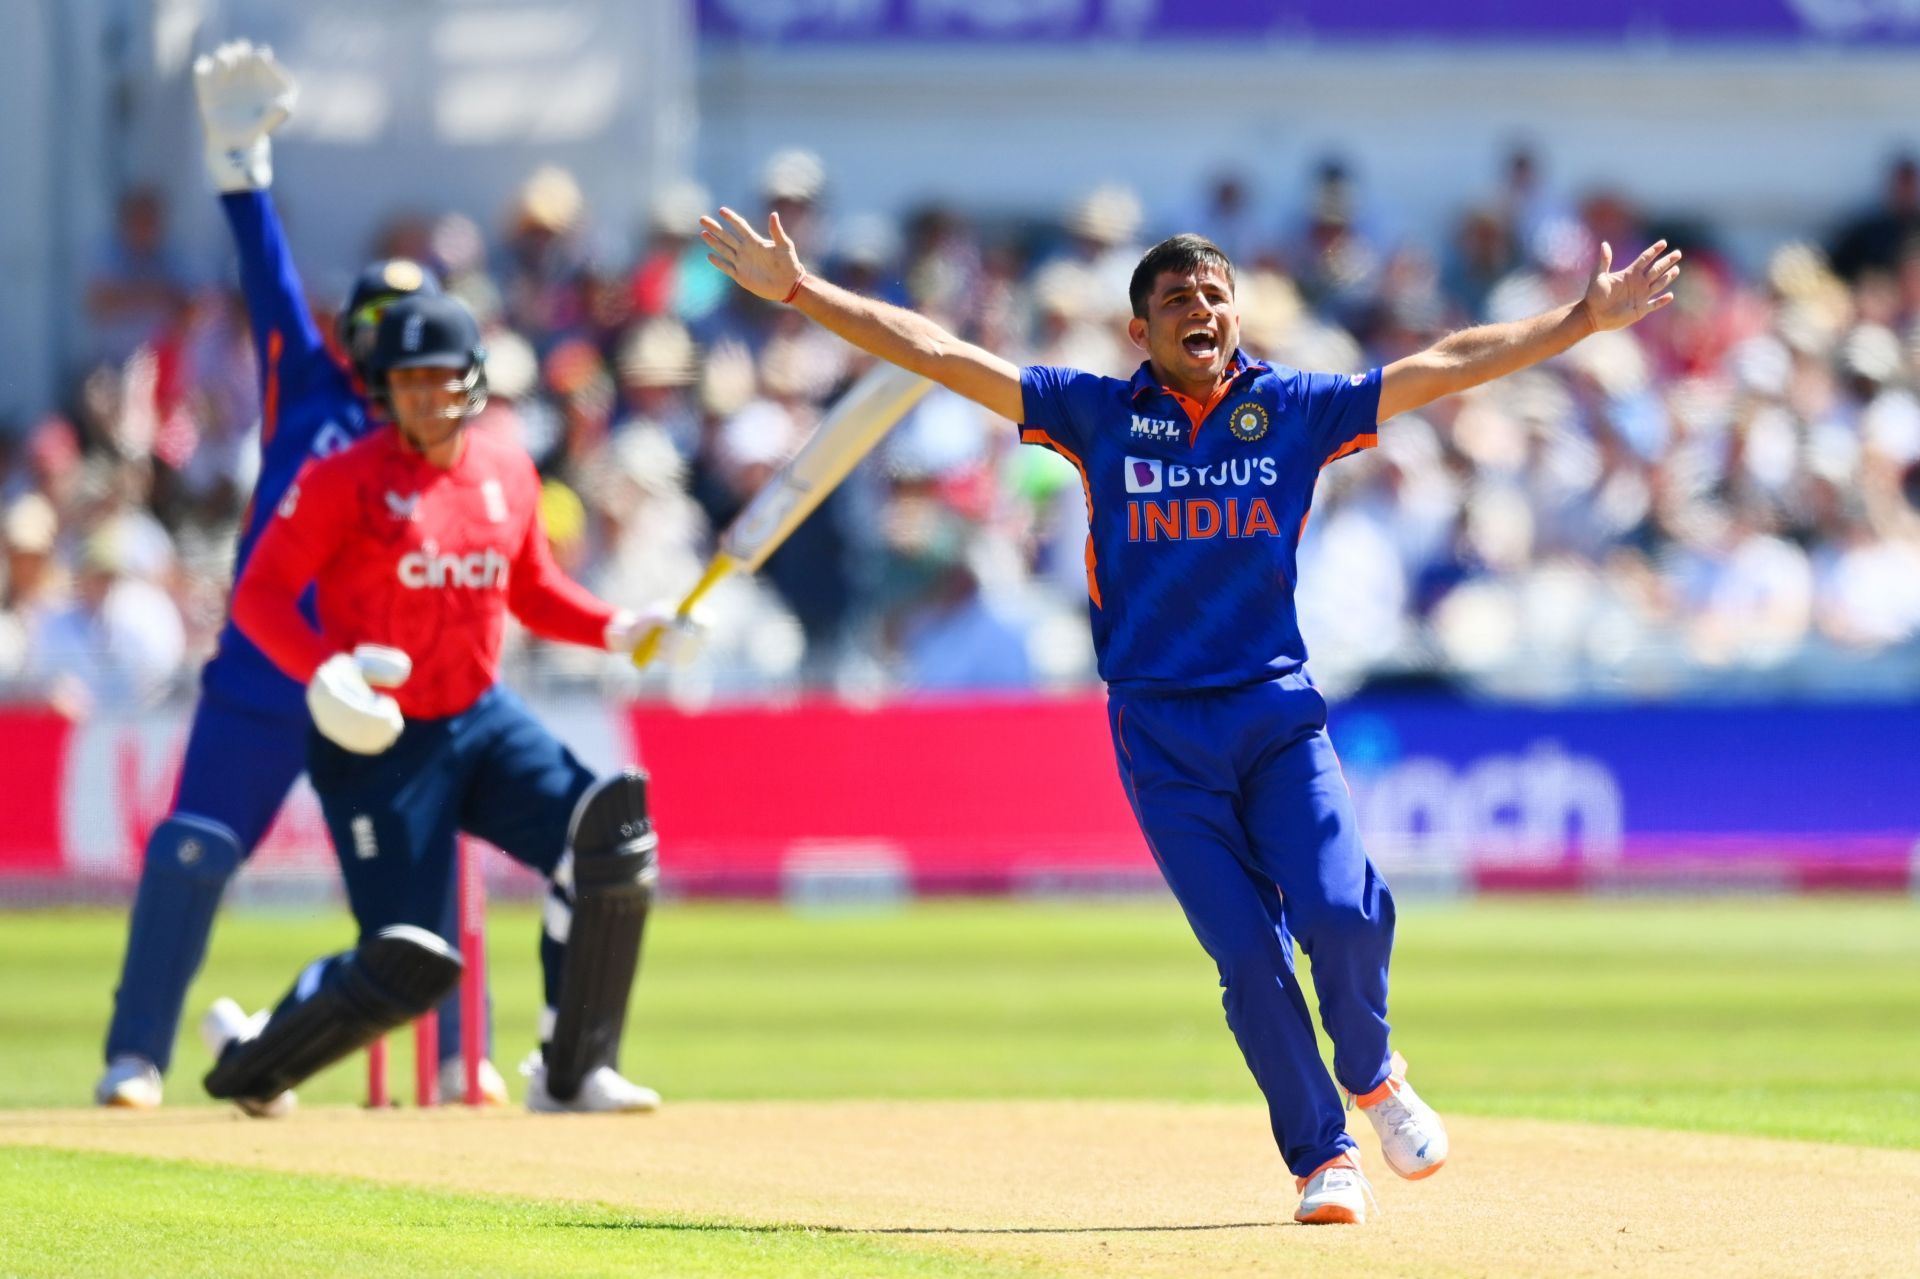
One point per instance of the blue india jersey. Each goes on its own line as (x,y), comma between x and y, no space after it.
(1196,511)
(309,407)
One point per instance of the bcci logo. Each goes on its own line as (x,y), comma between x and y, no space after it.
(1248,422)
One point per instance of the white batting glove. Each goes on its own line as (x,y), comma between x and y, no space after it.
(679,637)
(244,95)
(347,711)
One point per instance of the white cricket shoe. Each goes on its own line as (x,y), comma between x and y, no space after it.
(1335,1193)
(605,1091)
(1412,1139)
(453,1083)
(131,1082)
(226,1022)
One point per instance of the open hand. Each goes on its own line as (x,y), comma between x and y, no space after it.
(1616,299)
(766,266)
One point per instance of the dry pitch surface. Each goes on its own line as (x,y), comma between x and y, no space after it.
(1094,1189)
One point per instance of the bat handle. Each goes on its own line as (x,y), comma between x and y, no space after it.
(647,649)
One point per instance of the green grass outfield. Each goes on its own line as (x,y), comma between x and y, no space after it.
(1792,1018)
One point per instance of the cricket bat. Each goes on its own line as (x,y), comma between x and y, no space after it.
(868,410)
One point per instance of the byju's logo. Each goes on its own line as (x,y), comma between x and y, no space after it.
(1143,475)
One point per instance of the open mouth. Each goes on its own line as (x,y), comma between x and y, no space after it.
(1201,344)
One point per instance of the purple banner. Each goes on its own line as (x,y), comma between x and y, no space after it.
(1797,796)
(1030,21)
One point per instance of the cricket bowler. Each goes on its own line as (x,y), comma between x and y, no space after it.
(1198,474)
(248,741)
(418,541)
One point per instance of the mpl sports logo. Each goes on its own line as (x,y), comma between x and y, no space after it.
(1155,428)
(427,569)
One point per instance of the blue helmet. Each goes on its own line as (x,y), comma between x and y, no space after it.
(376,288)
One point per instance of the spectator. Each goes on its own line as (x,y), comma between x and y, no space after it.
(119,643)
(543,260)
(1876,239)
(657,366)
(673,277)
(138,286)
(34,586)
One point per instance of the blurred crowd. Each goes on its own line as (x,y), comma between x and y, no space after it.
(1721,499)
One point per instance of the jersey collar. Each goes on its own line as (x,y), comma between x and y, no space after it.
(1243,369)
(1144,383)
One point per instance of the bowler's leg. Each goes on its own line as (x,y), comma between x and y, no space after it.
(1196,838)
(1299,818)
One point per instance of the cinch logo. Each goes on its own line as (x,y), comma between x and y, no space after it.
(479,570)
(1155,428)
(1196,519)
(1143,475)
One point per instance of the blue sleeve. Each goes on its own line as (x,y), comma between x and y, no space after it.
(1048,394)
(291,349)
(1343,411)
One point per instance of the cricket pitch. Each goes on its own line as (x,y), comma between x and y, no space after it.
(1105,1188)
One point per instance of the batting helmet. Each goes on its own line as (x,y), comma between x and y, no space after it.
(429,331)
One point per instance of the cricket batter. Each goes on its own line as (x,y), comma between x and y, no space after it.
(419,540)
(249,736)
(1198,473)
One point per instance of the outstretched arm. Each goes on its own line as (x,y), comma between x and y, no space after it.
(1472,356)
(244,95)
(769,266)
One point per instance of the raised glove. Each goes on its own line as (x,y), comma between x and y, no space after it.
(244,95)
(346,709)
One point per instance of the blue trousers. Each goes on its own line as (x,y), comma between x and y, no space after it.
(1242,801)
(493,771)
(240,763)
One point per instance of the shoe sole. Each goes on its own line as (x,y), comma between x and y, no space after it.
(1329,1215)
(1422,1175)
(120,1102)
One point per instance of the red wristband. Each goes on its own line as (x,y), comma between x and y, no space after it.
(794,292)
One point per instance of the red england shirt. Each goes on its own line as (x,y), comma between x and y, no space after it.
(428,560)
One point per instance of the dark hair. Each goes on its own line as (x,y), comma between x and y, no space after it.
(1183,253)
